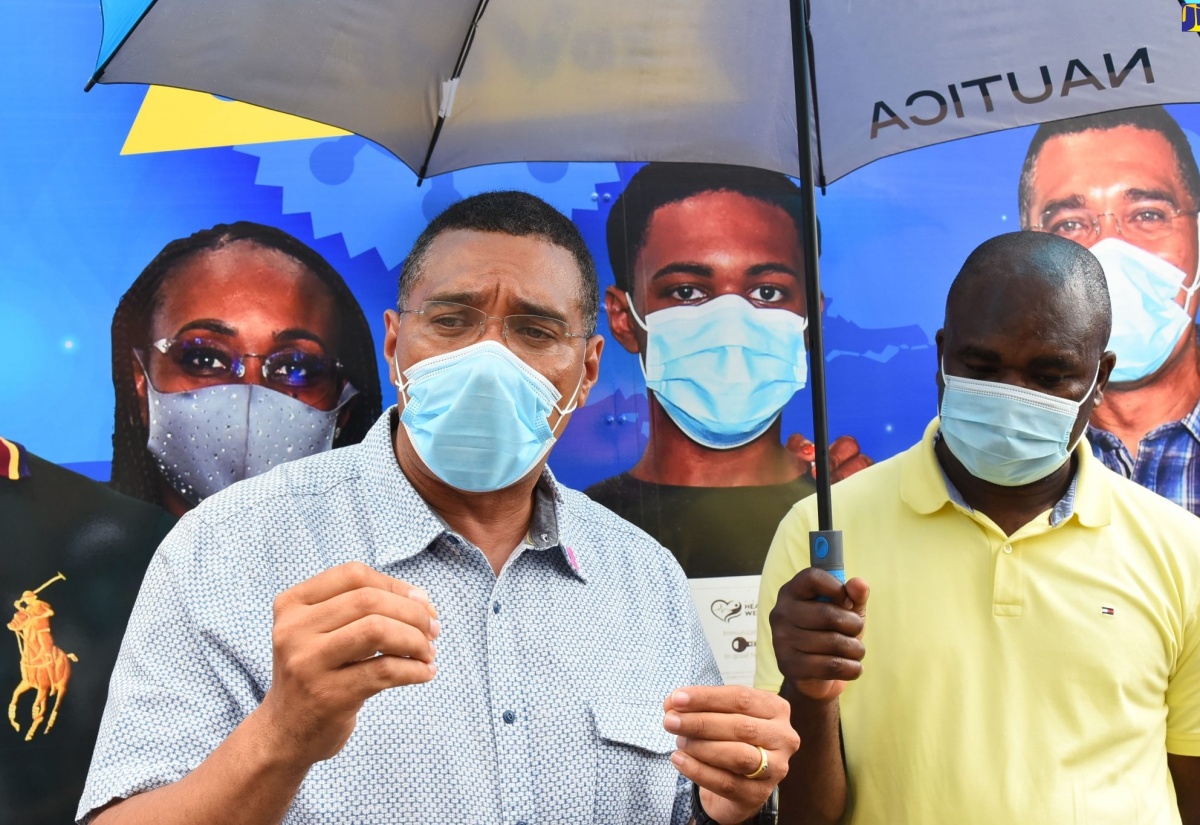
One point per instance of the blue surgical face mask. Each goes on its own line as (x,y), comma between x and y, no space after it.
(1147,321)
(479,416)
(724,369)
(1005,434)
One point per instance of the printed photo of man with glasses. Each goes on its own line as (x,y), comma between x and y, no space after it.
(1126,185)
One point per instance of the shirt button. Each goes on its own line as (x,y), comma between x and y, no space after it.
(509,717)
(495,607)
(1008,548)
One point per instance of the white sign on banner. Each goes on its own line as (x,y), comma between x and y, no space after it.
(728,608)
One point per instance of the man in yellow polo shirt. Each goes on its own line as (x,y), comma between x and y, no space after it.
(1034,620)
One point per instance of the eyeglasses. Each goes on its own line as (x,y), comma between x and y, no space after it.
(309,375)
(457,325)
(1144,220)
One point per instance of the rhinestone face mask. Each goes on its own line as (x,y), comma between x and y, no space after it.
(206,439)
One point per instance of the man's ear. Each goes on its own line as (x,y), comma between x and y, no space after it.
(139,385)
(391,327)
(939,341)
(1108,361)
(591,368)
(620,321)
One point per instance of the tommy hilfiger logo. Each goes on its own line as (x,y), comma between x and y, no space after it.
(1107,611)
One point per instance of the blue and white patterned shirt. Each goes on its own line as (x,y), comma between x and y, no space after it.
(547,704)
(1168,459)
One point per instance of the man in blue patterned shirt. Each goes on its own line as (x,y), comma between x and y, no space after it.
(570,680)
(1126,185)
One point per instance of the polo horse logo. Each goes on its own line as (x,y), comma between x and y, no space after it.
(44,667)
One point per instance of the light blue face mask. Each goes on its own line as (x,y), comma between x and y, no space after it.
(1005,434)
(1147,321)
(724,369)
(479,416)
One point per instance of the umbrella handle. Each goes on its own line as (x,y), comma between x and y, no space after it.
(825,553)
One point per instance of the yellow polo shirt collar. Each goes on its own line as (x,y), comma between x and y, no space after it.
(923,487)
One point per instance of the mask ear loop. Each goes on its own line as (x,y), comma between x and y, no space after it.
(401,385)
(137,354)
(645,328)
(633,312)
(1190,292)
(1087,396)
(562,414)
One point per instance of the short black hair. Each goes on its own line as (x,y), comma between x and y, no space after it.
(658,184)
(1058,262)
(134,470)
(1149,118)
(508,212)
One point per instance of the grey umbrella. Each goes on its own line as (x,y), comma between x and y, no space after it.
(460,83)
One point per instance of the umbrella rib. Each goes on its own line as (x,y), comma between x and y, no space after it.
(96,75)
(448,98)
(816,109)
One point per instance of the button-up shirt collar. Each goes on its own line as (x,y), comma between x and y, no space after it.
(403,524)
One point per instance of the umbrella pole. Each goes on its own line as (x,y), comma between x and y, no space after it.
(812,274)
(825,543)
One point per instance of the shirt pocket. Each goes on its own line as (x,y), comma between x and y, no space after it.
(637,780)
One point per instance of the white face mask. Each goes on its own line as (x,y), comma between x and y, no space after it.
(1147,320)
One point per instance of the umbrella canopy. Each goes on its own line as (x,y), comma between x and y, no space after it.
(695,80)
(718,81)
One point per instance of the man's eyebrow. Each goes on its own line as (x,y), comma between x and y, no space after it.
(299,334)
(1055,362)
(978,353)
(208,325)
(772,267)
(684,268)
(1069,202)
(533,308)
(465,297)
(1151,195)
(474,299)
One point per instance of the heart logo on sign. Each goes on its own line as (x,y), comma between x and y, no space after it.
(724,610)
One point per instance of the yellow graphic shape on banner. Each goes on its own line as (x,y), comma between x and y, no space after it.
(174,119)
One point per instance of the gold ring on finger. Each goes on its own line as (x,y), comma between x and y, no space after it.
(762,765)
